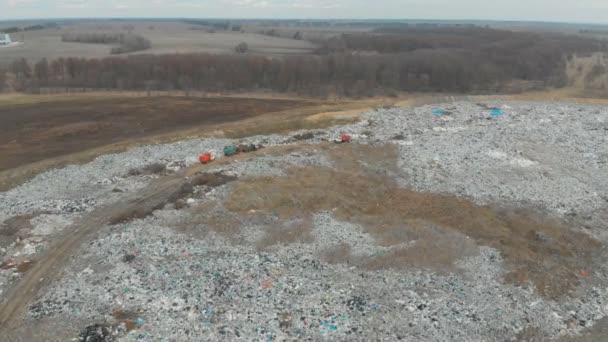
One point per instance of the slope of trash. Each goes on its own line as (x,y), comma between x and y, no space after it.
(233,261)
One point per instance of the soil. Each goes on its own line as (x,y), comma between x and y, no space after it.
(31,133)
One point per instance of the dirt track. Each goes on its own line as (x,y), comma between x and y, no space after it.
(138,204)
(49,267)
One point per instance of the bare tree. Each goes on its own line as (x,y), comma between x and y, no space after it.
(2,80)
(241,47)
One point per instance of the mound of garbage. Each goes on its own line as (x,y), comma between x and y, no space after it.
(460,221)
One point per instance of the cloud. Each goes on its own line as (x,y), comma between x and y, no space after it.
(21,3)
(540,10)
(73,3)
(316,4)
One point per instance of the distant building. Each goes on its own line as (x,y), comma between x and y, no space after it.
(5,39)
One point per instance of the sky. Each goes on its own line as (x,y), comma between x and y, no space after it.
(578,11)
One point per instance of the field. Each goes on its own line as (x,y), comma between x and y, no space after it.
(166,37)
(31,133)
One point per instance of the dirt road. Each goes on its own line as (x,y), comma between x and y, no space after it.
(49,267)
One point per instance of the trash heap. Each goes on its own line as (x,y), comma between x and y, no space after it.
(182,279)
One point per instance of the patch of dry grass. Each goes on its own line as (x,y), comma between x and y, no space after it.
(294,231)
(14,224)
(150,169)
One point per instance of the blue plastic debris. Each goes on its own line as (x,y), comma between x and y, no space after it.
(438,111)
(139,322)
(326,327)
(496,112)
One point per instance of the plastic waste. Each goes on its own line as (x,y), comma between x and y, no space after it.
(496,112)
(139,321)
(343,138)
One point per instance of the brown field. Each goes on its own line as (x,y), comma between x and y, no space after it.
(30,133)
(166,37)
(43,132)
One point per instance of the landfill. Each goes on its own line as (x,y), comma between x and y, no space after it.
(182,276)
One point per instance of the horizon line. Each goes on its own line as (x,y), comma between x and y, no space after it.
(309,19)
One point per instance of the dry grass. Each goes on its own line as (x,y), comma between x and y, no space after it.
(434,247)
(545,250)
(205,217)
(211,179)
(340,254)
(150,169)
(14,224)
(298,230)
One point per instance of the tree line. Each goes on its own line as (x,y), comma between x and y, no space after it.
(127,42)
(335,74)
(479,61)
(37,27)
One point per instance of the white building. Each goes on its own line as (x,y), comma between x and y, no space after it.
(5,39)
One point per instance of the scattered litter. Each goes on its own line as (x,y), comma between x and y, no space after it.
(204,297)
(585,273)
(8,264)
(304,136)
(95,333)
(343,138)
(438,111)
(139,321)
(20,267)
(327,327)
(496,112)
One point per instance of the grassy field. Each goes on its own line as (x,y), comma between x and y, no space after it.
(166,37)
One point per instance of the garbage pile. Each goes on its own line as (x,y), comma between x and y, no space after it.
(198,272)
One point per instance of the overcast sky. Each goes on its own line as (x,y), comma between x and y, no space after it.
(593,11)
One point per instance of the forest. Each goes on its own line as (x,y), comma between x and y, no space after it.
(386,61)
